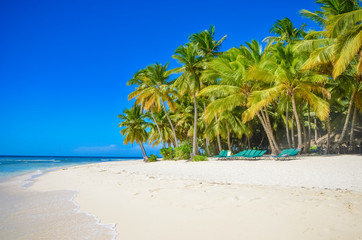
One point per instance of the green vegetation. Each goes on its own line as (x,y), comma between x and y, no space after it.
(183,151)
(302,89)
(198,158)
(167,153)
(152,158)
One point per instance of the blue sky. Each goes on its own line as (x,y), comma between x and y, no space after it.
(64,64)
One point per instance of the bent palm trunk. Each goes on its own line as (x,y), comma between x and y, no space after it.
(145,158)
(274,152)
(347,119)
(267,121)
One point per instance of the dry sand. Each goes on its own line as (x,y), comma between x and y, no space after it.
(310,198)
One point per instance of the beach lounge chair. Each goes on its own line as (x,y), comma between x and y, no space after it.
(235,156)
(221,154)
(287,154)
(251,154)
(261,153)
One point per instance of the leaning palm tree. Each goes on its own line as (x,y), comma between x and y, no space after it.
(287,79)
(189,80)
(234,87)
(134,128)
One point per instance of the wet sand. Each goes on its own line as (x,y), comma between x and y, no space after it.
(29,215)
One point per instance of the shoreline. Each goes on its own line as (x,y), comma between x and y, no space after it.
(158,200)
(28,214)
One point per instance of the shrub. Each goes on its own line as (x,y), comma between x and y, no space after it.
(198,158)
(183,151)
(152,158)
(167,153)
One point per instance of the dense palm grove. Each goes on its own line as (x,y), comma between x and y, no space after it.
(303,90)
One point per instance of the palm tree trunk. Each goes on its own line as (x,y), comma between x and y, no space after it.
(169,120)
(228,136)
(297,122)
(303,128)
(145,158)
(315,129)
(158,128)
(309,129)
(267,120)
(194,145)
(274,152)
(292,131)
(328,134)
(207,142)
(286,124)
(347,118)
(218,138)
(351,140)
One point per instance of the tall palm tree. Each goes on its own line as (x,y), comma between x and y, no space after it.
(208,47)
(234,87)
(189,80)
(287,79)
(153,92)
(341,20)
(134,128)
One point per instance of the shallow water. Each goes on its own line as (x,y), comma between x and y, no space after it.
(15,165)
(30,215)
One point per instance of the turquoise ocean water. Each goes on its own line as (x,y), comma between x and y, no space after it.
(17,165)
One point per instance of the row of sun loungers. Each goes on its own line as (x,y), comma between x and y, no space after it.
(246,154)
(257,154)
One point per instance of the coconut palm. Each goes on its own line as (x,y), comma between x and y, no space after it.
(233,88)
(189,80)
(134,129)
(287,79)
(206,43)
(285,32)
(342,44)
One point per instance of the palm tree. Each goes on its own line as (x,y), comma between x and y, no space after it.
(285,32)
(189,80)
(154,92)
(287,79)
(341,20)
(234,87)
(206,43)
(134,128)
(162,131)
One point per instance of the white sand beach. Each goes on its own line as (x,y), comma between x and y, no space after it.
(309,198)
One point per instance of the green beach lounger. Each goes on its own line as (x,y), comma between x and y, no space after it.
(221,154)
